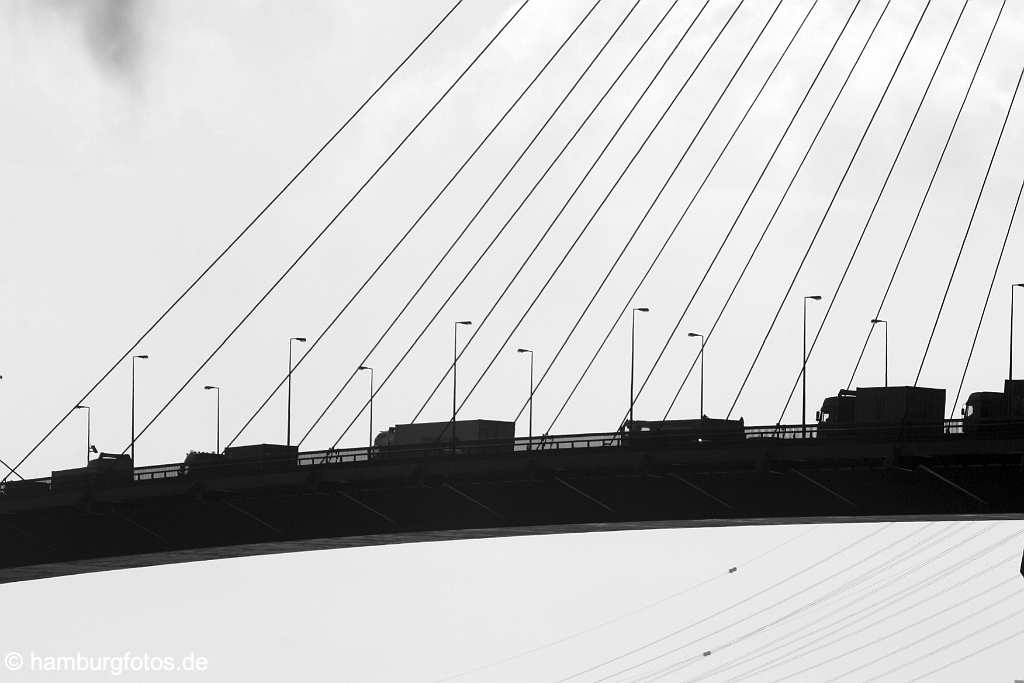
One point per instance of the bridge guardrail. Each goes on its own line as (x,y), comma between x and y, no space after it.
(546,443)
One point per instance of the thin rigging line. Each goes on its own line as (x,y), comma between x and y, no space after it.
(481,208)
(768,225)
(714,259)
(731,606)
(988,295)
(614,620)
(945,646)
(867,612)
(876,623)
(330,223)
(878,200)
(238,237)
(422,215)
(534,187)
(907,553)
(828,209)
(942,535)
(927,191)
(589,222)
(672,232)
(970,224)
(1015,634)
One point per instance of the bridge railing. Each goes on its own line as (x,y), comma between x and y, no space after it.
(544,443)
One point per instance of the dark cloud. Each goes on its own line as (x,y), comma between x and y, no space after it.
(111,30)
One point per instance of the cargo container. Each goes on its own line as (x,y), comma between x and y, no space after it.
(262,457)
(906,411)
(702,430)
(477,435)
(27,488)
(109,469)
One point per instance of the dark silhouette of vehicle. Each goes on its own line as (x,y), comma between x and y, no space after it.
(705,429)
(471,436)
(887,412)
(107,470)
(995,412)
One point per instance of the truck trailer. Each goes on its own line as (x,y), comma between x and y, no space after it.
(678,432)
(891,411)
(480,435)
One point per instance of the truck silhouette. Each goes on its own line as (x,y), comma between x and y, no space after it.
(901,412)
(995,412)
(492,436)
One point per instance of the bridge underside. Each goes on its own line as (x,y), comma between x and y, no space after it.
(440,498)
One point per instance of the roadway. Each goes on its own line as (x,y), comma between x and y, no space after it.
(575,483)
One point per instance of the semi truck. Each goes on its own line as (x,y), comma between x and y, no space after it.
(108,469)
(895,411)
(261,457)
(671,432)
(995,412)
(484,435)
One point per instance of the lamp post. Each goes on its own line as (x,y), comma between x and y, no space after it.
(210,387)
(695,334)
(1010,387)
(455,369)
(88,430)
(885,327)
(288,428)
(134,358)
(369,446)
(632,357)
(803,367)
(529,441)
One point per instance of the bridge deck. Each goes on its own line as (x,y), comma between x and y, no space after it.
(324,503)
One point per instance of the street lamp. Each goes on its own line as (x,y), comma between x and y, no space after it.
(1010,387)
(885,326)
(134,358)
(529,441)
(695,334)
(88,430)
(369,447)
(209,387)
(455,364)
(803,367)
(288,429)
(632,358)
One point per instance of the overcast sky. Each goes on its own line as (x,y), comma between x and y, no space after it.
(139,137)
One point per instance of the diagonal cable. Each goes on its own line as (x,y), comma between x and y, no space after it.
(927,192)
(480,209)
(970,224)
(664,243)
(878,200)
(828,209)
(419,218)
(522,202)
(331,223)
(237,238)
(594,215)
(988,294)
(828,114)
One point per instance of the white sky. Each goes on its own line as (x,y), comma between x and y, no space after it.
(139,137)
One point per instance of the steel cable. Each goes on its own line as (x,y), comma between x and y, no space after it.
(330,223)
(423,213)
(515,212)
(828,208)
(927,192)
(670,234)
(237,238)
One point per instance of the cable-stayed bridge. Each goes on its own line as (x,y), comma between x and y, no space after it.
(120,515)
